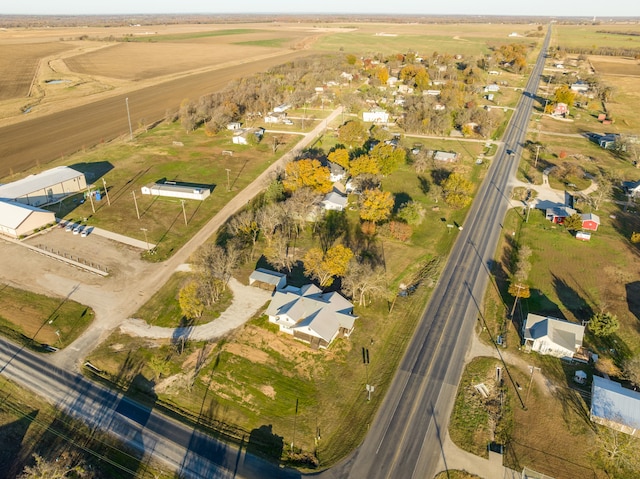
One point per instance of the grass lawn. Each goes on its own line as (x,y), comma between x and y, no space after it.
(163,309)
(30,425)
(157,155)
(34,320)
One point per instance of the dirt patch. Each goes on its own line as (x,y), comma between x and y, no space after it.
(268,391)
(252,354)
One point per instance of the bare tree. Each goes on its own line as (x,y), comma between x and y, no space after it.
(270,217)
(362,281)
(277,252)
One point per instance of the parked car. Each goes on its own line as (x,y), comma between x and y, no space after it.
(70,226)
(78,229)
(85,232)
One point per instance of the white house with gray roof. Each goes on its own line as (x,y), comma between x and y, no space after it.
(552,336)
(312,316)
(614,406)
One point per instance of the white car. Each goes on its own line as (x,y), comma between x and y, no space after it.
(85,232)
(78,229)
(70,226)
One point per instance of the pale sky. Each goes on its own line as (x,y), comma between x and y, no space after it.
(584,8)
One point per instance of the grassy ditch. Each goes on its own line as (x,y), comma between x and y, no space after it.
(35,320)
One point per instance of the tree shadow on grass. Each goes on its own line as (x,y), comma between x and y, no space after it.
(633,299)
(571,299)
(12,434)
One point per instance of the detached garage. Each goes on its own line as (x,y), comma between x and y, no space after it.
(18,220)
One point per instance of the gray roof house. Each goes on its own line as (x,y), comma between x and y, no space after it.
(335,201)
(312,316)
(614,406)
(631,188)
(552,336)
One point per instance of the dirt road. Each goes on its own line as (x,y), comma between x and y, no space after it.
(43,139)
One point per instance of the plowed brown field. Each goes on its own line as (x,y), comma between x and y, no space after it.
(156,70)
(18,64)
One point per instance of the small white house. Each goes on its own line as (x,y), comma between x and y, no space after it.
(491,88)
(334,201)
(234,125)
(446,156)
(376,115)
(552,336)
(281,108)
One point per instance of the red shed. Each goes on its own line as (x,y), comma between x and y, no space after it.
(590,221)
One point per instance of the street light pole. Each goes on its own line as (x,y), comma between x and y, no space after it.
(533,369)
(228,182)
(126,100)
(184,213)
(106,192)
(135,201)
(535,164)
(146,239)
(93,208)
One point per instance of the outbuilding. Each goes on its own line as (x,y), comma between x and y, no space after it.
(590,221)
(17,220)
(44,188)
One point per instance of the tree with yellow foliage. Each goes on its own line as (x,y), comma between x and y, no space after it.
(323,267)
(309,173)
(375,205)
(340,156)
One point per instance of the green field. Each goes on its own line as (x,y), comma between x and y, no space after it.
(154,156)
(595,36)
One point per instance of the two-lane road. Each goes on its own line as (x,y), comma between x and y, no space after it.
(406,438)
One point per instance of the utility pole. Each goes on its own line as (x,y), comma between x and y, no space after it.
(135,201)
(106,192)
(228,182)
(535,164)
(91,199)
(146,239)
(528,211)
(295,417)
(184,213)
(533,369)
(126,100)
(513,310)
(365,361)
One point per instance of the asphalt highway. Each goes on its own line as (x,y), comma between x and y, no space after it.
(405,440)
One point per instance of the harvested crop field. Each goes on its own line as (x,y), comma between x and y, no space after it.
(139,61)
(19,63)
(615,66)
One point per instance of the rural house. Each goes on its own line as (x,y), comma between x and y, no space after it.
(631,188)
(375,115)
(241,137)
(557,214)
(312,316)
(590,221)
(336,172)
(579,87)
(561,109)
(614,406)
(552,336)
(446,156)
(334,201)
(491,88)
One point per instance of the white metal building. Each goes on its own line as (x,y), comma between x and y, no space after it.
(44,188)
(18,219)
(176,190)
